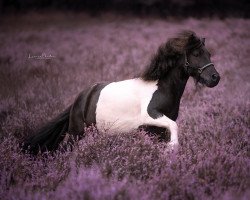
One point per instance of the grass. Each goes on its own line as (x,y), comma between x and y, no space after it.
(213,161)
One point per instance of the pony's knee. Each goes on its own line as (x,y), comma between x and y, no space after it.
(173,128)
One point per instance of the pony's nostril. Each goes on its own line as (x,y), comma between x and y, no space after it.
(215,77)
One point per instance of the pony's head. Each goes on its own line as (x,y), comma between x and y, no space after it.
(198,63)
(188,53)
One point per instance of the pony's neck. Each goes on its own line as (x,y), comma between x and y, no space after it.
(174,83)
(171,89)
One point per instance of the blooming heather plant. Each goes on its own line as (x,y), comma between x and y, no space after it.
(213,161)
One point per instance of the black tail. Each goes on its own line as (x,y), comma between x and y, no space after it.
(49,136)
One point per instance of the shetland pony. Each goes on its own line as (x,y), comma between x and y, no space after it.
(150,101)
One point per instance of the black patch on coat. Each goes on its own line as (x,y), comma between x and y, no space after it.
(83,111)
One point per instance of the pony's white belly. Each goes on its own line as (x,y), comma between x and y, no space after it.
(116,125)
(122,105)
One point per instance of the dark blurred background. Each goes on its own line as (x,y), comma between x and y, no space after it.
(195,8)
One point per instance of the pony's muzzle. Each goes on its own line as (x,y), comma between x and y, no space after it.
(210,77)
(215,79)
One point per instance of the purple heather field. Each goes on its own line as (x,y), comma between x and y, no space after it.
(213,160)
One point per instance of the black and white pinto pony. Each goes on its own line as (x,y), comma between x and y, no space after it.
(150,101)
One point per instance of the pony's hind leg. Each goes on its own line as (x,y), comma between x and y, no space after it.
(83,112)
(74,134)
(76,122)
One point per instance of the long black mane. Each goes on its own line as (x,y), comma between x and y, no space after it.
(169,55)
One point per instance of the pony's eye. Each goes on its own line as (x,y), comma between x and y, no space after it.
(196,53)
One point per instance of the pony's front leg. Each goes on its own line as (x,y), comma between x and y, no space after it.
(165,122)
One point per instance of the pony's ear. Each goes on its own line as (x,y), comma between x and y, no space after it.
(192,38)
(203,41)
(192,42)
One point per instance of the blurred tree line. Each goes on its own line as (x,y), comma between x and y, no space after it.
(221,8)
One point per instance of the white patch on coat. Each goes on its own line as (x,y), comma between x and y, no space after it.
(122,107)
